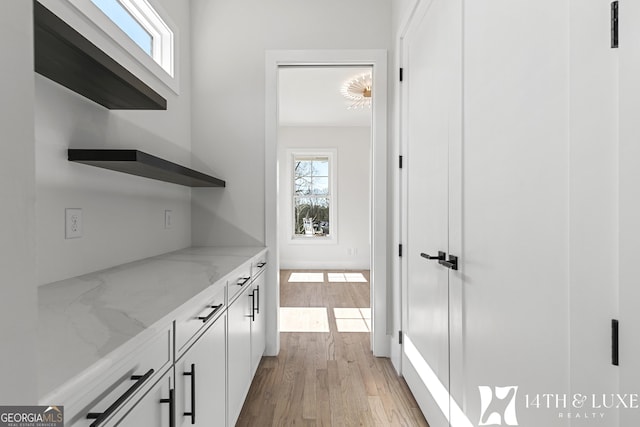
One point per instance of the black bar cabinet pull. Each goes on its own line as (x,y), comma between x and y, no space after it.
(192,374)
(261,264)
(172,407)
(253,306)
(100,417)
(243,281)
(257,292)
(452,263)
(206,318)
(441,256)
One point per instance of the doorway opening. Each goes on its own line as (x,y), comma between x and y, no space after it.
(323,166)
(324,198)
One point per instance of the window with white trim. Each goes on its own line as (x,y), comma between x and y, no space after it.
(142,23)
(313,195)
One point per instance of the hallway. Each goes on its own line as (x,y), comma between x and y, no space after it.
(328,378)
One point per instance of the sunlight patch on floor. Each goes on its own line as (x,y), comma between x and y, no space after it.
(306,277)
(304,319)
(353,319)
(346,277)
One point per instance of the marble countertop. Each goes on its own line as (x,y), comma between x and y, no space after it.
(85,318)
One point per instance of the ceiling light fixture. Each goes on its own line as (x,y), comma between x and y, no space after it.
(358,90)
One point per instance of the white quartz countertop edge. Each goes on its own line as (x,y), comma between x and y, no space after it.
(88,323)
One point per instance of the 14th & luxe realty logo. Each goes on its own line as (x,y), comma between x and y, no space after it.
(498,404)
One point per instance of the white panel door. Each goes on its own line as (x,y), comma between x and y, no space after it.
(515,212)
(629,164)
(426,127)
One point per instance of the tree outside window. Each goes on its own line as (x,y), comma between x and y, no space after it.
(312,196)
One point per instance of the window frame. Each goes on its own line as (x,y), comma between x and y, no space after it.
(332,155)
(162,35)
(88,19)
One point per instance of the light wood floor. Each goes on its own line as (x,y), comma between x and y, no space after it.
(327,378)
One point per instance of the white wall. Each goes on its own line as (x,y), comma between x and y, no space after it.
(123,214)
(229,46)
(18,304)
(353,145)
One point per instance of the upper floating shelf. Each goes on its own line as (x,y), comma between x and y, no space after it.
(65,56)
(138,163)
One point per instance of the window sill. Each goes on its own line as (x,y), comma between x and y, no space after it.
(313,240)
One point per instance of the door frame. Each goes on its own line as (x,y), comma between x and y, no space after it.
(377,59)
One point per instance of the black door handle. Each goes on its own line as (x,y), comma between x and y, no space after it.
(192,374)
(452,263)
(172,407)
(441,256)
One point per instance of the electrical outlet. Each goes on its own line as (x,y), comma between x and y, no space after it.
(168,219)
(73,223)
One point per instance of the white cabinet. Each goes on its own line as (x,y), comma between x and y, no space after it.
(108,393)
(239,351)
(201,380)
(258,327)
(156,407)
(192,367)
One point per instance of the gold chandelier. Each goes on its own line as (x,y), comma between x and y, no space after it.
(358,90)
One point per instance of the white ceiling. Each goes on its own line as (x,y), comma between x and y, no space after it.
(310,96)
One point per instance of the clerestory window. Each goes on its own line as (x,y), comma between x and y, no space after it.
(142,23)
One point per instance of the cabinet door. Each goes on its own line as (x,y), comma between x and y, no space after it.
(201,380)
(239,353)
(258,330)
(154,409)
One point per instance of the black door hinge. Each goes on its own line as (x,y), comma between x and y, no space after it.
(614,342)
(400,250)
(402,72)
(400,162)
(399,337)
(614,24)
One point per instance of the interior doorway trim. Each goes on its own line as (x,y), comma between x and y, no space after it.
(377,59)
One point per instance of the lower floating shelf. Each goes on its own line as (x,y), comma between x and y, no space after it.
(138,163)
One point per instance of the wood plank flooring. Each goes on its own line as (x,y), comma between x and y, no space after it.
(327,378)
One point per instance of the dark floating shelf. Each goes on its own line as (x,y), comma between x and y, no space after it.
(65,56)
(138,163)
